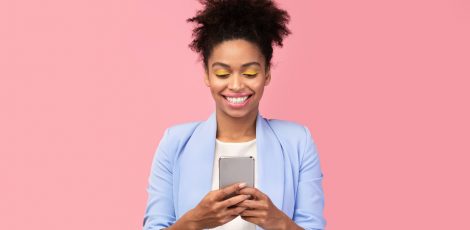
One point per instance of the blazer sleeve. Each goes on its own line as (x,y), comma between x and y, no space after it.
(160,212)
(309,202)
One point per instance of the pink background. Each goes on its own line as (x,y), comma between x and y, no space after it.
(88,87)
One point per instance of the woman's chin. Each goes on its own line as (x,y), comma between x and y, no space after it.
(237,114)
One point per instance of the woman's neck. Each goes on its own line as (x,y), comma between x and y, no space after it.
(236,129)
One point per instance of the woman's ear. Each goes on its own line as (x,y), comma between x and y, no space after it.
(206,77)
(268,78)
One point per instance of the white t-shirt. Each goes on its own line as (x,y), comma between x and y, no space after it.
(239,149)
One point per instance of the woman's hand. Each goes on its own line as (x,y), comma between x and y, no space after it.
(262,212)
(214,210)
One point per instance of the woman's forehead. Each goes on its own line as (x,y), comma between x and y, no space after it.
(236,53)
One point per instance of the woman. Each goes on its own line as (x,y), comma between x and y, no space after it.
(234,39)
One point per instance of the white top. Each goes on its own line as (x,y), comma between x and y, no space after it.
(239,149)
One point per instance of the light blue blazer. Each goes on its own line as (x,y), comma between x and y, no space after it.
(288,171)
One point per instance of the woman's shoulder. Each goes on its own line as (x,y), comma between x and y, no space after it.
(286,124)
(291,128)
(292,132)
(174,135)
(183,127)
(181,130)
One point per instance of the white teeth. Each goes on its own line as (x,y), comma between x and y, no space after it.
(237,100)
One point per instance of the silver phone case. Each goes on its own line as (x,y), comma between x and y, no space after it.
(236,170)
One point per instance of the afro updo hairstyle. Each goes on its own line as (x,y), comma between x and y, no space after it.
(257,21)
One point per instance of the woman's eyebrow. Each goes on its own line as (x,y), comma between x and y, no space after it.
(251,63)
(228,66)
(220,63)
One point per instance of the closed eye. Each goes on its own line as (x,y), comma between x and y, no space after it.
(222,75)
(250,75)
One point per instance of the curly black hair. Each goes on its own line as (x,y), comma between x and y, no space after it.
(257,21)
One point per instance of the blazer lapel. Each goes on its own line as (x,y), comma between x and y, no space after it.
(270,164)
(195,164)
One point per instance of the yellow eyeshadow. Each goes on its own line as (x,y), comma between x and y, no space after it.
(250,72)
(221,72)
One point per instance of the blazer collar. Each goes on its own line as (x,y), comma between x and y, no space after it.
(196,163)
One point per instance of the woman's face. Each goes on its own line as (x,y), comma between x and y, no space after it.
(236,76)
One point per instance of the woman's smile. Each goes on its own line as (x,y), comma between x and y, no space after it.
(237,102)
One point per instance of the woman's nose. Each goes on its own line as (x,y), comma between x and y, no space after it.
(235,82)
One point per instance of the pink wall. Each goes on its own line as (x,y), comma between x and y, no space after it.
(87,88)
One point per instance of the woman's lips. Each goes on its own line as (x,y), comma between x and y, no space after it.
(237,102)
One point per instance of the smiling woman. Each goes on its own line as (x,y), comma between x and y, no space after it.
(234,39)
(236,77)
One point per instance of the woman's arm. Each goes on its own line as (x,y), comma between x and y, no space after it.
(309,202)
(184,223)
(160,212)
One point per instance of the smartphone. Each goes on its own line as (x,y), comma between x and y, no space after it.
(236,170)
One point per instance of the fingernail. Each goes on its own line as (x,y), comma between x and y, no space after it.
(242,185)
